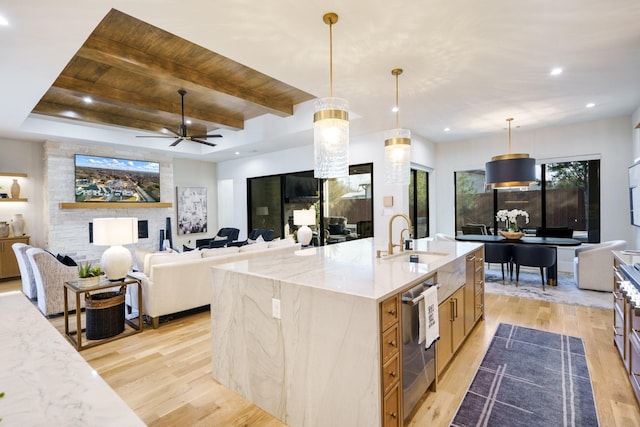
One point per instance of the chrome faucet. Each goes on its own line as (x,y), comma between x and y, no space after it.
(409,227)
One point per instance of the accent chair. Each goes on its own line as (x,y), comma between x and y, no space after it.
(592,265)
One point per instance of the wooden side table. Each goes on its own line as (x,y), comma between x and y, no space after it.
(75,337)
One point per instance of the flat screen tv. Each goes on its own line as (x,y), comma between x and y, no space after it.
(108,179)
(634,193)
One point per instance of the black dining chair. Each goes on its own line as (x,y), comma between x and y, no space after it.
(534,256)
(499,253)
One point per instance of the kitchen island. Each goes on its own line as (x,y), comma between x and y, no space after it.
(314,337)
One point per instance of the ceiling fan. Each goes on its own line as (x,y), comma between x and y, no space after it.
(181,134)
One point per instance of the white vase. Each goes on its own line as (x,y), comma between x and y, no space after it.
(15,189)
(17,225)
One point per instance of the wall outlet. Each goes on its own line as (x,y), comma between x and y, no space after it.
(275,308)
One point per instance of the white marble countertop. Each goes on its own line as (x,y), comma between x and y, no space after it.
(352,267)
(45,380)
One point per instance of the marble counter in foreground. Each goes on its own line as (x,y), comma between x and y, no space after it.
(352,267)
(45,380)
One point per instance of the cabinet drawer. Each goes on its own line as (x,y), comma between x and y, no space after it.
(479,286)
(391,409)
(634,363)
(390,310)
(390,340)
(390,374)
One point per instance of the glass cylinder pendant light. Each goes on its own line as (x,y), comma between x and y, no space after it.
(331,125)
(397,148)
(510,170)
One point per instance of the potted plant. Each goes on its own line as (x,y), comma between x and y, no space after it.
(88,274)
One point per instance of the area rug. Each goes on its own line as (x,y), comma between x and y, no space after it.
(530,378)
(530,286)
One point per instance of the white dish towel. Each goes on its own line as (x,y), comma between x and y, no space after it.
(429,329)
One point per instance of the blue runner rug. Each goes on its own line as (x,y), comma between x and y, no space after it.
(530,378)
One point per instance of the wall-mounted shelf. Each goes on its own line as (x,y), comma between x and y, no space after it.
(14,175)
(14,200)
(114,205)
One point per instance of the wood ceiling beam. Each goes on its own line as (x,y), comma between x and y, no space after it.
(98,91)
(133,60)
(87,115)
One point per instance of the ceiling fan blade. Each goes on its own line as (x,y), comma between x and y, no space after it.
(207,136)
(176,142)
(210,144)
(172,131)
(154,136)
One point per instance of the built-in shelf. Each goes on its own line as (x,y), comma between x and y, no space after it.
(19,199)
(114,205)
(14,175)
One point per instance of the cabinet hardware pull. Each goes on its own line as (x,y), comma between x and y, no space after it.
(392,343)
(393,414)
(452,303)
(392,374)
(392,312)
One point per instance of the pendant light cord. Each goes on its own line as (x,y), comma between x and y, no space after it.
(509,120)
(331,59)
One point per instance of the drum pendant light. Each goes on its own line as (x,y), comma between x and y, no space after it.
(510,170)
(331,125)
(397,148)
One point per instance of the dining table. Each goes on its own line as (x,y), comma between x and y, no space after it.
(554,242)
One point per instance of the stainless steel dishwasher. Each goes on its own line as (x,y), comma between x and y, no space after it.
(418,363)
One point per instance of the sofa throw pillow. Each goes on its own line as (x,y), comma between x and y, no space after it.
(140,255)
(164,257)
(255,246)
(282,242)
(208,253)
(67,260)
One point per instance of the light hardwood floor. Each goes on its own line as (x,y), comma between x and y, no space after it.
(164,375)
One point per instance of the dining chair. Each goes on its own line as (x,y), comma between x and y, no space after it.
(534,256)
(499,253)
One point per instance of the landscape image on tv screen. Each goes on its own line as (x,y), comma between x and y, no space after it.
(107,179)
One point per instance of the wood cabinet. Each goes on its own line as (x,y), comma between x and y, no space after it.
(452,331)
(8,263)
(391,355)
(474,290)
(459,313)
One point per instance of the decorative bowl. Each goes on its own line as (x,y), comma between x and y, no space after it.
(512,235)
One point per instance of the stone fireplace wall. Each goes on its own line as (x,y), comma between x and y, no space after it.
(67,230)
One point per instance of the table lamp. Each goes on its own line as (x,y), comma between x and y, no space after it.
(116,261)
(304,218)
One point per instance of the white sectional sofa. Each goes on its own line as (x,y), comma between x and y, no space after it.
(175,282)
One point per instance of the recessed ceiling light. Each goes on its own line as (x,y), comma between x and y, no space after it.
(3,21)
(188,121)
(590,105)
(556,71)
(163,130)
(395,109)
(237,153)
(87,99)
(447,129)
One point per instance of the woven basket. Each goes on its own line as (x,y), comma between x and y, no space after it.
(105,314)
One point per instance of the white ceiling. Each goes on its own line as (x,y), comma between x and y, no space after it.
(468,65)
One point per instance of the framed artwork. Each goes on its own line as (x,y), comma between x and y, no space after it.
(192,210)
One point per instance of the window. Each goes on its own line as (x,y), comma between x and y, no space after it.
(344,206)
(565,194)
(419,203)
(347,205)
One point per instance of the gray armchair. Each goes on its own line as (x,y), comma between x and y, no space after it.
(50,276)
